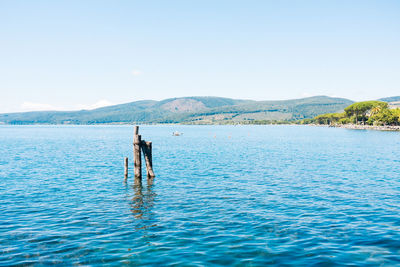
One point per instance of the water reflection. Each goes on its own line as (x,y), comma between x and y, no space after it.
(143,200)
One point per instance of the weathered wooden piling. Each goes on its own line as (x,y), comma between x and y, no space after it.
(138,146)
(137,155)
(126,168)
(148,157)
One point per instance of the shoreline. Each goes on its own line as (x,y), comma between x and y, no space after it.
(362,127)
(344,126)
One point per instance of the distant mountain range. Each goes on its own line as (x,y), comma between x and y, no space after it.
(189,110)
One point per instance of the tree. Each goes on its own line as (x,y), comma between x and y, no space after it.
(359,110)
(386,117)
(329,118)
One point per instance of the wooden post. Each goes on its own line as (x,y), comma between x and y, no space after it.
(139,145)
(137,157)
(147,152)
(126,168)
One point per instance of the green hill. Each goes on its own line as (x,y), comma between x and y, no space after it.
(190,110)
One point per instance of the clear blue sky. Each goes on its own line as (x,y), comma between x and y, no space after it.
(73,54)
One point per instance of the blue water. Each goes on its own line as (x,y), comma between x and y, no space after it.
(223,195)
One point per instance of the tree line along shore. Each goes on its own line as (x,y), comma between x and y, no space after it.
(373,115)
(376,115)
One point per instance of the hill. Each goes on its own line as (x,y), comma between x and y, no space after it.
(390,99)
(394,101)
(190,110)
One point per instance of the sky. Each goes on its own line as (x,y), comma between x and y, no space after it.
(69,55)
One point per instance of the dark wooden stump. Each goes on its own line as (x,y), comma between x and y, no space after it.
(137,157)
(147,152)
(138,146)
(126,168)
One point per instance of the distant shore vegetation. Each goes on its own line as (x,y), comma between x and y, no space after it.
(376,113)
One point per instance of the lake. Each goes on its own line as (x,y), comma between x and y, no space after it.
(223,195)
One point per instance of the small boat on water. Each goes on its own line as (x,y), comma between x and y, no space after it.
(176,133)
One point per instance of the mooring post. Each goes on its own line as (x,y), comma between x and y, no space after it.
(126,168)
(147,151)
(137,157)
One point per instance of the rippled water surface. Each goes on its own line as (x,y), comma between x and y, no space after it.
(223,195)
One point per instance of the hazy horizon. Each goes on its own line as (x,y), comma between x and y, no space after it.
(71,55)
